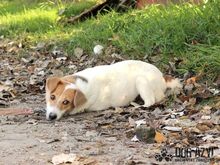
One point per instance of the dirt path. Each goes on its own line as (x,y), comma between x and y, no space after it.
(33,140)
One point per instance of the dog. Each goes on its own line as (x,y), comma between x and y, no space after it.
(105,86)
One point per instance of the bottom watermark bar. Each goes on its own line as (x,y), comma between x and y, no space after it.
(181,154)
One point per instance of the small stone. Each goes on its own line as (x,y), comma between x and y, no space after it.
(98,49)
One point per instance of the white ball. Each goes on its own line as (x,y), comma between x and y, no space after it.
(98,49)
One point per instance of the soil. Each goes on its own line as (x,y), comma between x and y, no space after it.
(31,139)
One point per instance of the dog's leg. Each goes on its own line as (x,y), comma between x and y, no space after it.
(145,91)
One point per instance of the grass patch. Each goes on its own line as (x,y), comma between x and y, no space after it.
(77,8)
(186,31)
(20,17)
(166,29)
(31,21)
(204,59)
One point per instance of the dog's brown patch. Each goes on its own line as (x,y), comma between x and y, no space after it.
(52,83)
(168,78)
(79,99)
(67,95)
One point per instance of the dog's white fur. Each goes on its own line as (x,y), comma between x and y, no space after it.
(120,83)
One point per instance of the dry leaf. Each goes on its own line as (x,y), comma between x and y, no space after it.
(63,158)
(175,129)
(191,80)
(12,92)
(140,122)
(185,141)
(131,122)
(78,52)
(202,127)
(159,137)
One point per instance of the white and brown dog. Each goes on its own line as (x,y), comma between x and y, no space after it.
(105,86)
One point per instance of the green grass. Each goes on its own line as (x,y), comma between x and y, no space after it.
(77,8)
(185,31)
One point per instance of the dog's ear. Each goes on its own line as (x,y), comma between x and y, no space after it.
(72,78)
(79,99)
(69,79)
(52,83)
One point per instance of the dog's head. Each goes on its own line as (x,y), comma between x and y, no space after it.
(62,96)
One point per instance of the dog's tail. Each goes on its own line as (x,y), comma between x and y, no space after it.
(173,84)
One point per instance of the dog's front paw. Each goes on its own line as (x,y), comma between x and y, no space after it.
(148,103)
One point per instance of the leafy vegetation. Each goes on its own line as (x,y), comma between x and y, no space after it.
(186,31)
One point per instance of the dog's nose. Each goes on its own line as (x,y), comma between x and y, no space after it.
(52,116)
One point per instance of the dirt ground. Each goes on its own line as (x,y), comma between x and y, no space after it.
(104,137)
(33,140)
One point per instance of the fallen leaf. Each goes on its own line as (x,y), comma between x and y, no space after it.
(78,52)
(185,141)
(61,59)
(63,158)
(191,80)
(159,137)
(214,91)
(85,161)
(202,127)
(174,135)
(12,92)
(131,122)
(135,139)
(208,123)
(207,117)
(140,122)
(91,133)
(176,129)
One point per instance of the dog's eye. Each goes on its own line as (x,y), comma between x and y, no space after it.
(65,102)
(52,97)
